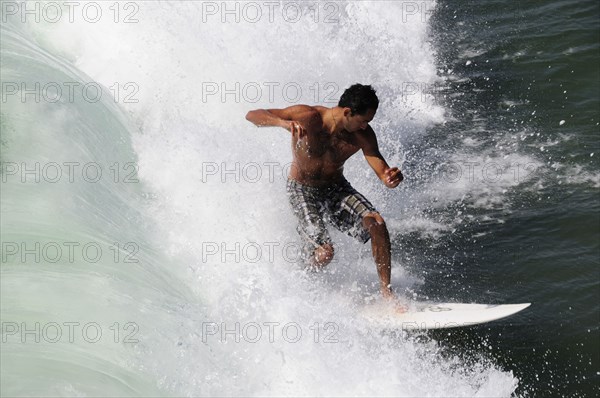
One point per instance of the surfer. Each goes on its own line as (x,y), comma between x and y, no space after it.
(322,140)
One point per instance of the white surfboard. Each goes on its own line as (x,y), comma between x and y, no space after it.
(423,316)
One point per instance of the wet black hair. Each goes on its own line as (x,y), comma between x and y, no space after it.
(359,98)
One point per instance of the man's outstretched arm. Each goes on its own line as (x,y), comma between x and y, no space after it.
(286,118)
(267,117)
(390,176)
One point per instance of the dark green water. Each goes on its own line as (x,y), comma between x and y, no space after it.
(517,69)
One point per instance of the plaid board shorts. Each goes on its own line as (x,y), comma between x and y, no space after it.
(339,205)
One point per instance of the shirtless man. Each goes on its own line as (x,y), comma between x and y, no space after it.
(322,140)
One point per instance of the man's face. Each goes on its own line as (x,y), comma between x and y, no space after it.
(358,122)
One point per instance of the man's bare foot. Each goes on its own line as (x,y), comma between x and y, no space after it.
(397,306)
(388,294)
(400,308)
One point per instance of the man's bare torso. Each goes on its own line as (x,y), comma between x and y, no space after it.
(319,157)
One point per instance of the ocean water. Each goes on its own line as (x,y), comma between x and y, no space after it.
(148,248)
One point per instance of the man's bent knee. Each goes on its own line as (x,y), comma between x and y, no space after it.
(323,255)
(374,223)
(373,219)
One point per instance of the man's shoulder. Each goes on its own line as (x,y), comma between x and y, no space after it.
(309,114)
(312,110)
(302,108)
(301,111)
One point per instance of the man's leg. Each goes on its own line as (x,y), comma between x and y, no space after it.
(307,205)
(382,250)
(353,214)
